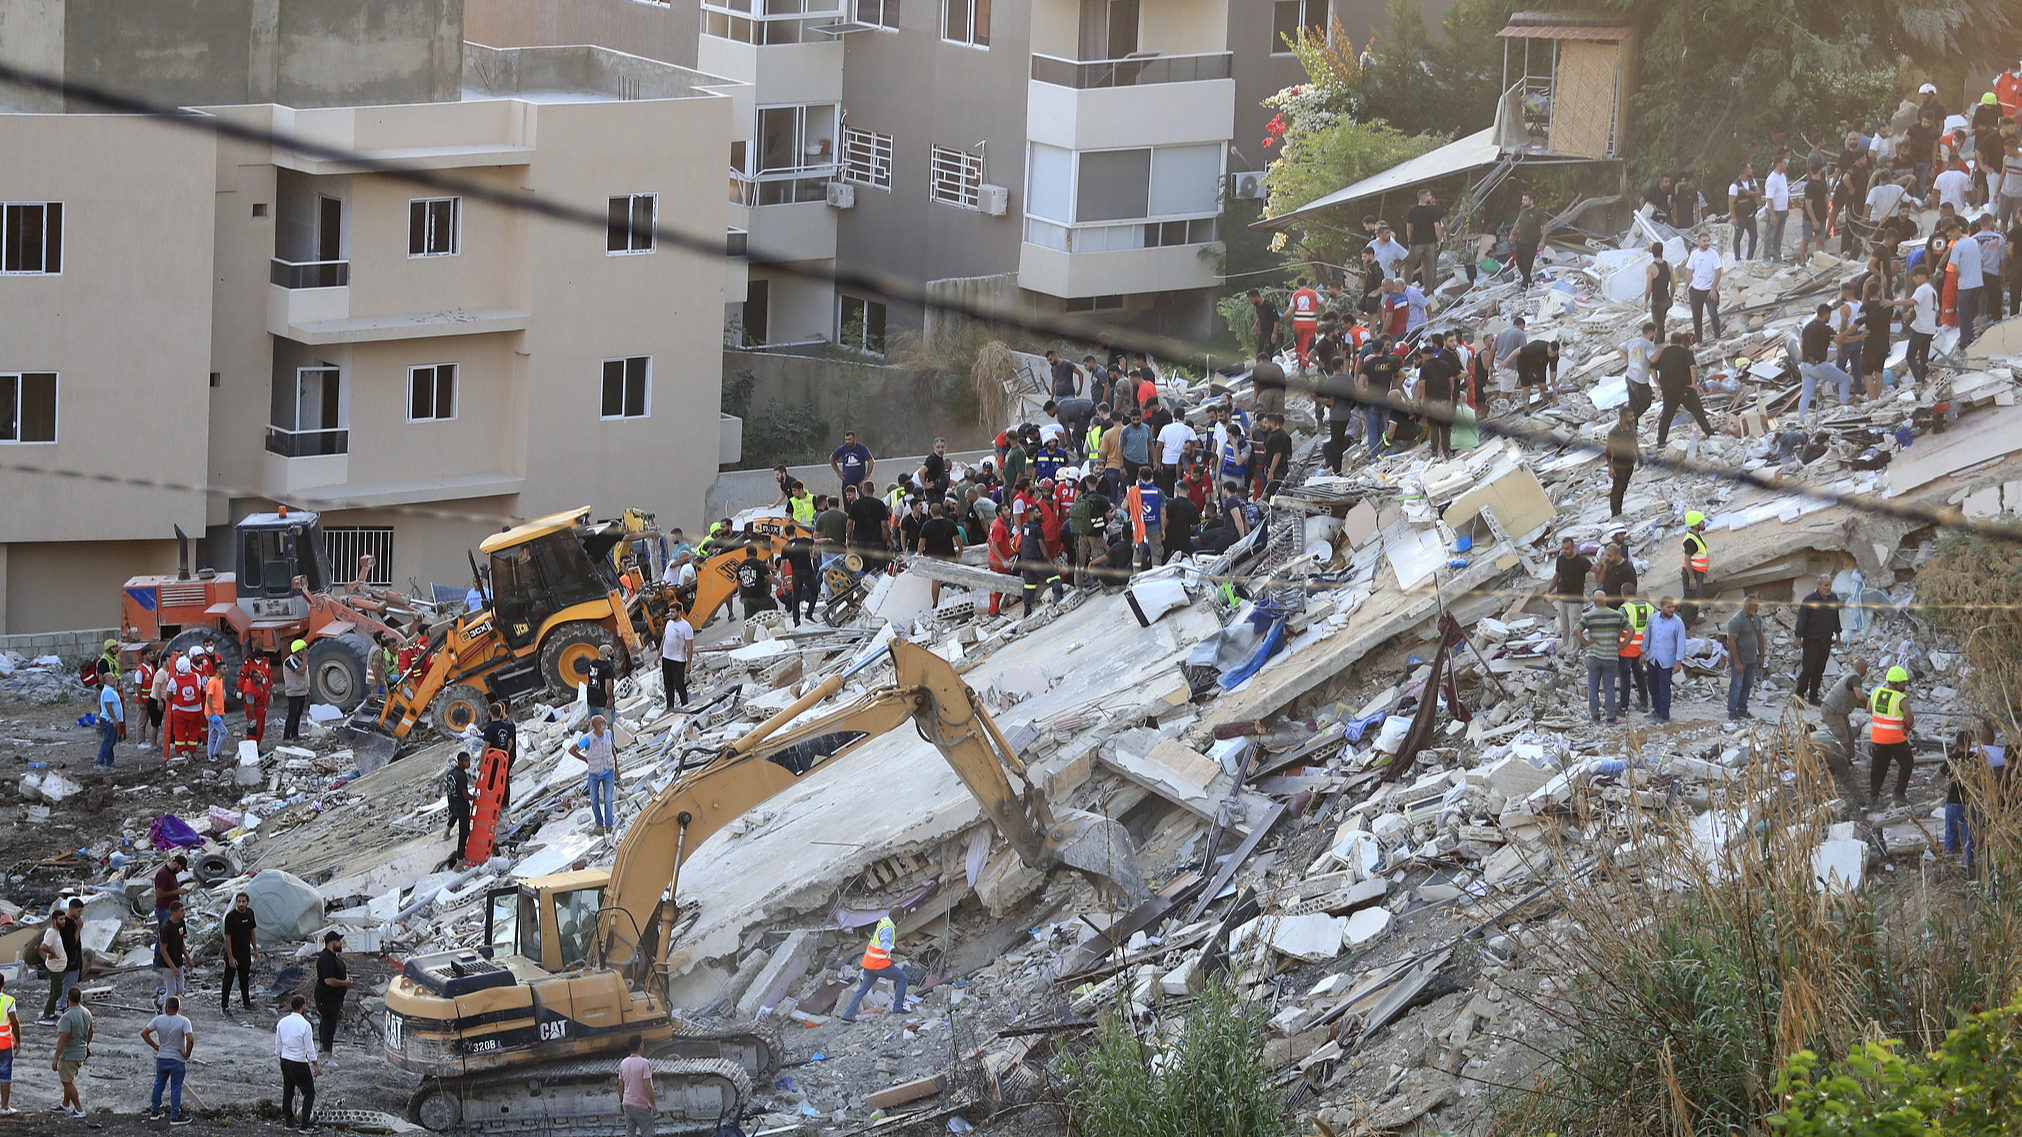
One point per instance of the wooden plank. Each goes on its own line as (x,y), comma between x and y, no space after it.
(907,1091)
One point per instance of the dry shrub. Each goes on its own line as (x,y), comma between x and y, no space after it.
(1692,968)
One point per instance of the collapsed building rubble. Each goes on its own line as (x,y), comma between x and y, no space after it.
(1347,776)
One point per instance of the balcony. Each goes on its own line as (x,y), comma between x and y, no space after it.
(1079,261)
(784,216)
(308,443)
(310,274)
(298,460)
(1116,103)
(1134,72)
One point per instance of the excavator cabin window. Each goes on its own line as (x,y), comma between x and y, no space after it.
(513,924)
(576,923)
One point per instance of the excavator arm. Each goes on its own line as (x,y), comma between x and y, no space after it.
(638,916)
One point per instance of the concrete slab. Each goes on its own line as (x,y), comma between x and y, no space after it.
(1365,926)
(1311,938)
(1837,866)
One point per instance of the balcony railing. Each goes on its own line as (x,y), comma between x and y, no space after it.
(311,274)
(782,187)
(307,443)
(1115,237)
(1130,72)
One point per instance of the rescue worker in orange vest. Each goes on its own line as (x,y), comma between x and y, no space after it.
(1636,614)
(256,689)
(214,715)
(1698,561)
(147,712)
(186,711)
(1889,735)
(1305,321)
(878,964)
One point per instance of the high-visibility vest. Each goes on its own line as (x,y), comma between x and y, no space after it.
(1093,439)
(1637,612)
(803,509)
(1886,705)
(143,679)
(6,1022)
(1697,557)
(1305,306)
(877,956)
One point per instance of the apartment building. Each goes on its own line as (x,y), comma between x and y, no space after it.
(1055,156)
(227,326)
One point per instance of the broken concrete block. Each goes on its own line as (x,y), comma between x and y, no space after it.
(1311,938)
(1284,1051)
(285,905)
(788,963)
(1514,778)
(1360,851)
(1358,896)
(747,972)
(1365,926)
(1391,828)
(1837,866)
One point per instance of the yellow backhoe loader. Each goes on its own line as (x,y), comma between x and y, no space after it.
(525,1034)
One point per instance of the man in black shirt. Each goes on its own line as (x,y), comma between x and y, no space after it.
(456,792)
(868,517)
(909,526)
(1537,365)
(1817,206)
(1273,449)
(1678,380)
(1436,374)
(754,582)
(1377,374)
(172,954)
(934,472)
(1617,572)
(940,539)
(1569,585)
(332,980)
(1424,229)
(1182,518)
(1659,196)
(241,950)
(500,734)
(799,557)
(1267,325)
(601,682)
(1066,377)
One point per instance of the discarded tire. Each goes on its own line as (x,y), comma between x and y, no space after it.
(211,869)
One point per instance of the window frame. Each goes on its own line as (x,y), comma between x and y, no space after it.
(1306,8)
(938,164)
(887,18)
(52,239)
(972,36)
(646,385)
(435,391)
(630,225)
(20,379)
(427,230)
(864,306)
(877,173)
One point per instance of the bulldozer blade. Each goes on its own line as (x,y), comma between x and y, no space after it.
(372,746)
(1099,848)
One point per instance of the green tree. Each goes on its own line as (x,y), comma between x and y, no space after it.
(1449,83)
(1970,1087)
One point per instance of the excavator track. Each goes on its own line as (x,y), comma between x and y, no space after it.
(756,1047)
(580,1099)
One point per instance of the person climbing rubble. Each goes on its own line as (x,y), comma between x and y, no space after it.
(878,963)
(1889,736)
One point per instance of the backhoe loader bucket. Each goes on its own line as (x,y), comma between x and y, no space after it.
(1101,849)
(368,741)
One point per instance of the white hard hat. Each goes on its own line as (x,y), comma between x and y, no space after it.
(1927,89)
(182,665)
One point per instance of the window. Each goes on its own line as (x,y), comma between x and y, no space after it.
(867,158)
(1095,304)
(31,237)
(431,227)
(879,13)
(1108,200)
(28,406)
(345,544)
(630,226)
(431,393)
(966,22)
(1290,16)
(627,387)
(955,177)
(310,411)
(792,139)
(860,324)
(773,21)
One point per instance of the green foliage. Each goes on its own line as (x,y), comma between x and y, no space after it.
(1444,84)
(1323,158)
(784,435)
(737,392)
(1207,1080)
(1971,1087)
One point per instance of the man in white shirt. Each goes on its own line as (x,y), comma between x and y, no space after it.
(675,645)
(1641,351)
(1966,260)
(1951,187)
(1702,271)
(295,1046)
(1172,442)
(1884,196)
(1776,187)
(1923,322)
(1388,252)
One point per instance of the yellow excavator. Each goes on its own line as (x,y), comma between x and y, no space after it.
(525,1033)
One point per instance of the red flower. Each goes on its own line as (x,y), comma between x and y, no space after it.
(1269,141)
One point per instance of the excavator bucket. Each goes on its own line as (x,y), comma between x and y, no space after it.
(1101,849)
(368,740)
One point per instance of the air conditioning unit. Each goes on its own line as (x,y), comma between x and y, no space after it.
(842,195)
(1248,186)
(993,200)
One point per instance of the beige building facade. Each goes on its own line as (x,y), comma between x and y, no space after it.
(239,325)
